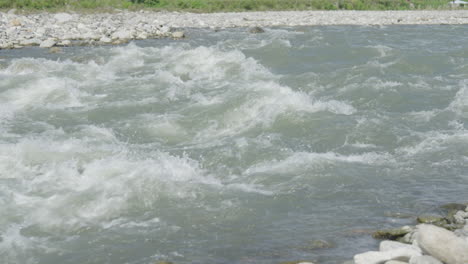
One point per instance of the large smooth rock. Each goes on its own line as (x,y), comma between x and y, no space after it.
(396,262)
(48,43)
(424,260)
(379,257)
(442,244)
(388,245)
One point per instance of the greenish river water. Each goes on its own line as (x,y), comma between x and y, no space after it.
(229,147)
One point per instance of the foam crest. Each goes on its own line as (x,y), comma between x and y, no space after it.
(304,161)
(459,104)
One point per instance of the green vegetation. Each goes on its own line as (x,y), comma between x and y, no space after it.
(226,5)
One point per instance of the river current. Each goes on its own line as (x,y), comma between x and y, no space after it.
(229,147)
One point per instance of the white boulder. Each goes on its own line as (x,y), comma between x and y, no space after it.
(376,257)
(388,245)
(48,43)
(442,244)
(424,260)
(62,17)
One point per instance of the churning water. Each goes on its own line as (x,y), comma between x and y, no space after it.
(230,147)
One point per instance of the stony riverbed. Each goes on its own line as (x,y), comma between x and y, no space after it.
(65,29)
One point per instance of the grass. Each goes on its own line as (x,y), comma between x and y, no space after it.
(224,5)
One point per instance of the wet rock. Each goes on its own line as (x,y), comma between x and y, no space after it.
(442,244)
(164,262)
(454,206)
(55,50)
(48,43)
(391,234)
(424,260)
(65,43)
(178,35)
(320,244)
(256,30)
(431,219)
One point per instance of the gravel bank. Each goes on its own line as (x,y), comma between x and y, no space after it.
(64,29)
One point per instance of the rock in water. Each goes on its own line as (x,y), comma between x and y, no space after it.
(442,244)
(47,43)
(391,234)
(256,30)
(178,35)
(424,260)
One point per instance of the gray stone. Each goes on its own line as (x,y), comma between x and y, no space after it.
(256,30)
(391,234)
(65,43)
(63,17)
(30,42)
(122,34)
(424,260)
(48,43)
(460,216)
(376,257)
(396,262)
(442,244)
(178,35)
(388,245)
(105,40)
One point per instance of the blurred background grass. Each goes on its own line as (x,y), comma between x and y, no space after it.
(225,5)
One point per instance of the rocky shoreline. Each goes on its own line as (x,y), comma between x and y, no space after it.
(65,29)
(434,240)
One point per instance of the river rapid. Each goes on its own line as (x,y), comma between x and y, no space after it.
(229,147)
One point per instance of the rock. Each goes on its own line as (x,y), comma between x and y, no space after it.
(55,50)
(256,30)
(424,260)
(105,40)
(453,206)
(178,35)
(391,234)
(388,245)
(15,22)
(396,262)
(460,216)
(431,219)
(122,34)
(375,257)
(320,244)
(65,43)
(48,43)
(442,244)
(62,17)
(30,42)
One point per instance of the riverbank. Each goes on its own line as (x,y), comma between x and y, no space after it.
(64,29)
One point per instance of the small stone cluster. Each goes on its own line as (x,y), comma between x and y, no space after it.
(64,29)
(435,240)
